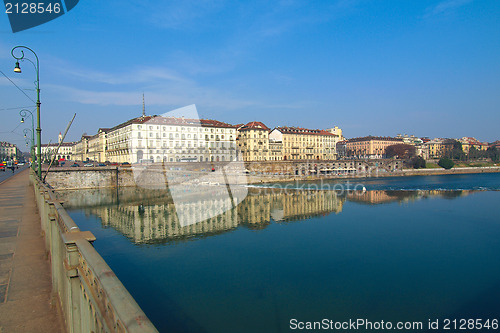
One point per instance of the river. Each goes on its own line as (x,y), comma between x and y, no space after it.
(405,249)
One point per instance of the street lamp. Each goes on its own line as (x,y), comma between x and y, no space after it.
(17,69)
(24,114)
(29,139)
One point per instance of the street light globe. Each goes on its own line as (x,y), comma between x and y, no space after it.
(17,69)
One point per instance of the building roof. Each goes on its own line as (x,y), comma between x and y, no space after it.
(300,130)
(254,125)
(372,138)
(215,123)
(496,143)
(472,141)
(64,144)
(159,120)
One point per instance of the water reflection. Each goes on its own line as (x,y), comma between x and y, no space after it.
(381,197)
(150,216)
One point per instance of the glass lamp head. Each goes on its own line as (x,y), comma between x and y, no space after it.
(17,69)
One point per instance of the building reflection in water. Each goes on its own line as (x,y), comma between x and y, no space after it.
(149,217)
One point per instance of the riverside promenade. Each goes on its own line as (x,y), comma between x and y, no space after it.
(26,302)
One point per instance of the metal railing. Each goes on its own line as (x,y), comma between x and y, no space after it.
(92,298)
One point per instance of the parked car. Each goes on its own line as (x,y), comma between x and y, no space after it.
(125,163)
(101,164)
(75,165)
(88,165)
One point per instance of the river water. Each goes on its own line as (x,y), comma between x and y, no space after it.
(401,249)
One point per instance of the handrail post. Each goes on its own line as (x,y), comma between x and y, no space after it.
(72,277)
(72,281)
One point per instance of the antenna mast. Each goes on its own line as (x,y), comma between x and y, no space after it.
(143,106)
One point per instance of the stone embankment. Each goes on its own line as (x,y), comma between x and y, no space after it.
(156,177)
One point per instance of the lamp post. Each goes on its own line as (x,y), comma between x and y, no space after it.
(24,113)
(17,69)
(30,139)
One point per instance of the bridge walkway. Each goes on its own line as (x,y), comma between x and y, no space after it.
(26,301)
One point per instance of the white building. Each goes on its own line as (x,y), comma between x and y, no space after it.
(170,139)
(64,152)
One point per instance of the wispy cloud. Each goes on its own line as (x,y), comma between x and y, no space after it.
(158,97)
(167,96)
(444,7)
(166,93)
(137,76)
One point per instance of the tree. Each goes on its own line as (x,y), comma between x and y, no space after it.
(417,162)
(400,150)
(446,163)
(493,153)
(457,153)
(473,153)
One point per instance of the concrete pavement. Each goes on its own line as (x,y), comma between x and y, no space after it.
(26,301)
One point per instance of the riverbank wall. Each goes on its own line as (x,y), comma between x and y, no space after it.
(73,178)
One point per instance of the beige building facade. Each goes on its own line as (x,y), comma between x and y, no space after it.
(275,150)
(305,144)
(149,139)
(369,147)
(8,151)
(468,143)
(253,140)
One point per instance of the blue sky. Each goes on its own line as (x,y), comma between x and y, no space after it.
(429,68)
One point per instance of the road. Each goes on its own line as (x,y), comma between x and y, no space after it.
(8,172)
